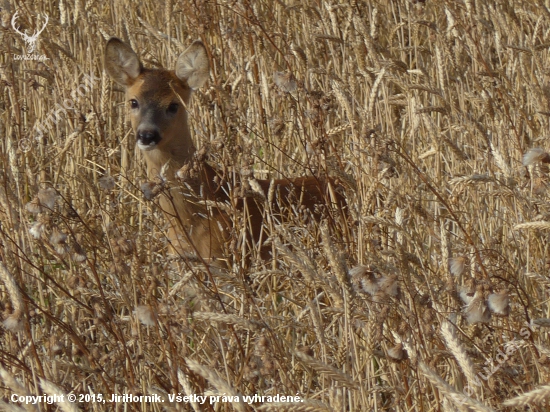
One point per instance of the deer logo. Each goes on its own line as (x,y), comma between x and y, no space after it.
(30,40)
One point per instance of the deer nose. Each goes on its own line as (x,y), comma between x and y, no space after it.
(148,137)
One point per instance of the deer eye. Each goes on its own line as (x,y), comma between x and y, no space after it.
(134,104)
(173,108)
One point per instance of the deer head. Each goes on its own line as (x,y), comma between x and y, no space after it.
(157,98)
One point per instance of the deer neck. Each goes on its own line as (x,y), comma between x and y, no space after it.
(173,155)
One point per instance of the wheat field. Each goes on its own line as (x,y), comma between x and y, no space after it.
(432,295)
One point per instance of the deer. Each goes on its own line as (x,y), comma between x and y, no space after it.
(158,99)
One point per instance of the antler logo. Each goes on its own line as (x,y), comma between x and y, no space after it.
(30,40)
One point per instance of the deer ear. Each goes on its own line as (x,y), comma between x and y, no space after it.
(193,65)
(121,62)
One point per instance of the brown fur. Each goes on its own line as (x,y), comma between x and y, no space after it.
(193,227)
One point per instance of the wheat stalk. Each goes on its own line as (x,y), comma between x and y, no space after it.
(186,385)
(446,390)
(12,287)
(230,319)
(449,334)
(306,406)
(331,372)
(221,385)
(533,225)
(54,390)
(538,395)
(7,407)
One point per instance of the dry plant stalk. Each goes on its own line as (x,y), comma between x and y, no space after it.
(458,398)
(329,371)
(435,129)
(222,387)
(54,390)
(535,396)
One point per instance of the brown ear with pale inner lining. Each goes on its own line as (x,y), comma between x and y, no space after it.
(193,65)
(121,62)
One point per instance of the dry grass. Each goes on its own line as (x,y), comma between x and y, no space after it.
(433,115)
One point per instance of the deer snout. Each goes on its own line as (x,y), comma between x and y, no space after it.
(148,138)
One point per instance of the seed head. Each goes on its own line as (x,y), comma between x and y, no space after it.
(535,155)
(47,197)
(285,81)
(107,183)
(397,353)
(37,229)
(457,265)
(145,315)
(477,311)
(499,303)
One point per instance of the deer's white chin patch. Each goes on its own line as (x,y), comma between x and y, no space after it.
(147,147)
